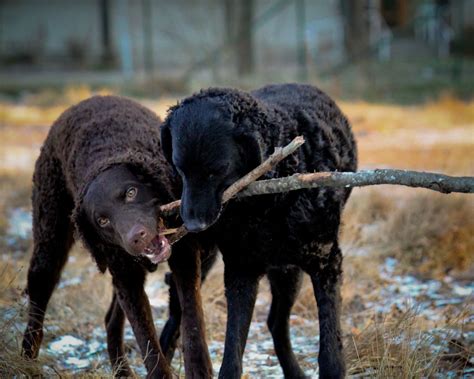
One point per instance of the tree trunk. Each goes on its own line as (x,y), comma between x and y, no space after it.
(107,54)
(357,28)
(245,48)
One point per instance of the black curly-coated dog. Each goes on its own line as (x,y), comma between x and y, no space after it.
(216,136)
(102,172)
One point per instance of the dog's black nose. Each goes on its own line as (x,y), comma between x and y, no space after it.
(195,226)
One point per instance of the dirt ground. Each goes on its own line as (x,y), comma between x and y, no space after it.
(408,309)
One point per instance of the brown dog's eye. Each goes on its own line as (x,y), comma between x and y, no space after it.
(131,193)
(103,221)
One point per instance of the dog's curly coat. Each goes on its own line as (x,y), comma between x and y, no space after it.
(216,136)
(88,139)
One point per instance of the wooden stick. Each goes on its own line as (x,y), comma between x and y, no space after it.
(170,208)
(435,182)
(279,154)
(248,186)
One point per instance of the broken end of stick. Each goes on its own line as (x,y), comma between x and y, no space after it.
(291,147)
(299,140)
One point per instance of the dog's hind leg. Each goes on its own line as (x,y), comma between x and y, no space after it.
(53,237)
(114,323)
(326,275)
(285,285)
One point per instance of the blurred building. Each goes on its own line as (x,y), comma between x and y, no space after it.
(148,34)
(185,36)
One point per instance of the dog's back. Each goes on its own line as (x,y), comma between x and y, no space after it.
(329,142)
(87,134)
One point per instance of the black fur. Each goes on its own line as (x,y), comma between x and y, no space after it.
(213,138)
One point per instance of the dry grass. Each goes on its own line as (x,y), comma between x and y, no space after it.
(446,158)
(430,235)
(44,107)
(400,345)
(12,311)
(76,309)
(438,135)
(445,113)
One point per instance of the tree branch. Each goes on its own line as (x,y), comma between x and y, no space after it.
(279,154)
(436,182)
(248,186)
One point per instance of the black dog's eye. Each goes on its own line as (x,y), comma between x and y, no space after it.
(103,221)
(131,193)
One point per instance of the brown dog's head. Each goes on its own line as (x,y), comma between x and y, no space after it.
(120,209)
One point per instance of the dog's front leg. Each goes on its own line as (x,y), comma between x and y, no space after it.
(241,285)
(186,266)
(128,279)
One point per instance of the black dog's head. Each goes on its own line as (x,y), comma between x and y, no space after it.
(120,208)
(205,141)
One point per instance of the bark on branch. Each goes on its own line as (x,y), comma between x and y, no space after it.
(428,180)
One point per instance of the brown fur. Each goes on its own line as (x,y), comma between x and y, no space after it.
(84,142)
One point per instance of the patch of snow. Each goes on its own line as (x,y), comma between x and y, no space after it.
(70,282)
(19,226)
(463,291)
(65,344)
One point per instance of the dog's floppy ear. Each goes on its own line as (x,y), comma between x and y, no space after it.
(166,144)
(250,150)
(89,238)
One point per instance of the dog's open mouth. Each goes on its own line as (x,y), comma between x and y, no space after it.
(159,249)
